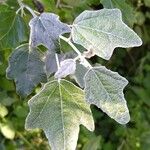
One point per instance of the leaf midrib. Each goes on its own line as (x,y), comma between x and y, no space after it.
(9,28)
(43,105)
(100,31)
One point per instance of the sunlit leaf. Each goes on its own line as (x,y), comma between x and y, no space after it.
(7,130)
(59,108)
(103,31)
(3,111)
(104,89)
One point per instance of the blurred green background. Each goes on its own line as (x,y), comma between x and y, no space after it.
(134,64)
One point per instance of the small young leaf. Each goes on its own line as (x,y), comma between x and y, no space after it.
(50,61)
(67,67)
(104,88)
(45,29)
(26,67)
(59,109)
(13,30)
(103,31)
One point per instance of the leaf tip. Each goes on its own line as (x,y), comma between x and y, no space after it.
(125,119)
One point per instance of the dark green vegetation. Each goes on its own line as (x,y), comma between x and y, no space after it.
(134,64)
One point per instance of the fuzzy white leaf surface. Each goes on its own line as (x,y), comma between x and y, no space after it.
(45,29)
(67,67)
(102,31)
(59,108)
(104,89)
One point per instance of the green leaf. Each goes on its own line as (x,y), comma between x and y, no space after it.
(3,111)
(103,31)
(26,67)
(59,109)
(5,99)
(13,30)
(147,3)
(92,144)
(7,130)
(45,29)
(104,89)
(127,10)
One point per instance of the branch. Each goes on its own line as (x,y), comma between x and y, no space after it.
(82,58)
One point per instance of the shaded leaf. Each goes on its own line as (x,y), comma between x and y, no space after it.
(104,89)
(26,67)
(147,3)
(127,10)
(59,109)
(13,30)
(50,61)
(67,67)
(5,99)
(92,144)
(45,29)
(79,74)
(103,31)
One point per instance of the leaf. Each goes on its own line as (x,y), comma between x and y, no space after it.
(3,111)
(92,144)
(26,67)
(103,31)
(13,30)
(104,89)
(50,61)
(127,10)
(5,99)
(46,29)
(67,67)
(79,74)
(59,109)
(7,130)
(147,3)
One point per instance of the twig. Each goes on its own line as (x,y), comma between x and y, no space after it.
(57,60)
(22,6)
(58,3)
(82,58)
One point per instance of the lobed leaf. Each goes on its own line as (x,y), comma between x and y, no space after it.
(59,108)
(104,89)
(103,31)
(26,67)
(45,29)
